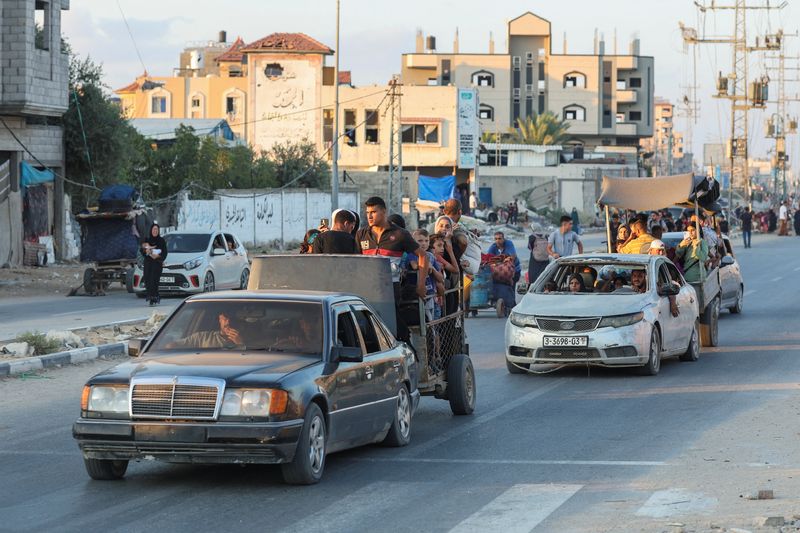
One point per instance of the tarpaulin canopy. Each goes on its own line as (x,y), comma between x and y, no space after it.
(436,189)
(31,176)
(645,194)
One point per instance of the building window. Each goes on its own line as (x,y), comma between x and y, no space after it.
(516,94)
(195,102)
(483,78)
(486,112)
(232,105)
(327,126)
(158,104)
(445,72)
(235,72)
(41,17)
(273,70)
(529,88)
(621,85)
(371,128)
(575,79)
(420,133)
(516,62)
(433,81)
(574,112)
(634,116)
(529,57)
(635,82)
(350,126)
(620,117)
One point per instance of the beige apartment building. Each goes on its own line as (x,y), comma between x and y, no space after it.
(666,145)
(606,98)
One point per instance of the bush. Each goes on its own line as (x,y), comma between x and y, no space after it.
(40,343)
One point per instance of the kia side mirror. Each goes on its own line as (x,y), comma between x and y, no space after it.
(218,251)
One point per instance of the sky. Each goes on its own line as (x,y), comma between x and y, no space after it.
(374,33)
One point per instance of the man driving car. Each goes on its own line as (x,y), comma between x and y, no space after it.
(226,337)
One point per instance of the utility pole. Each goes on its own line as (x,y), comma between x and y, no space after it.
(733,87)
(335,150)
(395,189)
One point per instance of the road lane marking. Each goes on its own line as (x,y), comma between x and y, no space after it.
(773,280)
(82,311)
(519,509)
(691,389)
(541,462)
(670,502)
(483,418)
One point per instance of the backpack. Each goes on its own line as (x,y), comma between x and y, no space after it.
(538,247)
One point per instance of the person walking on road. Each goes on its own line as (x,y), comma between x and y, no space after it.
(797,222)
(783,219)
(561,241)
(576,221)
(539,259)
(747,225)
(155,252)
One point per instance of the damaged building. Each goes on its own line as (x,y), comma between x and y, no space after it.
(33,98)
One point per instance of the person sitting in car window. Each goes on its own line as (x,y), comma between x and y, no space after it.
(302,337)
(639,281)
(693,252)
(576,284)
(227,336)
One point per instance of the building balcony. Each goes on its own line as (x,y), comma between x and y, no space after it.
(426,61)
(627,96)
(627,129)
(627,62)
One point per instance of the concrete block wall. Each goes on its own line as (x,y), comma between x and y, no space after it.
(46,142)
(32,81)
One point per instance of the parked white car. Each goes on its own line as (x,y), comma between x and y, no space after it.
(610,324)
(199,262)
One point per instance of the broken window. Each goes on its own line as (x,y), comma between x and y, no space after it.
(232,105)
(273,70)
(486,112)
(575,79)
(420,133)
(350,126)
(634,115)
(327,126)
(574,112)
(41,17)
(158,104)
(635,82)
(371,129)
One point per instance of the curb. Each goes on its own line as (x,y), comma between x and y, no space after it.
(39,362)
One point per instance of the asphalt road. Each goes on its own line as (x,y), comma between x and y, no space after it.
(575,450)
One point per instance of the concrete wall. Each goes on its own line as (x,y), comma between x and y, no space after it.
(377,183)
(11,229)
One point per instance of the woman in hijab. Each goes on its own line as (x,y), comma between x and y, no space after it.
(308,241)
(576,284)
(154,249)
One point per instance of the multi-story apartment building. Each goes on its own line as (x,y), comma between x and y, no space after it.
(607,99)
(666,147)
(33,97)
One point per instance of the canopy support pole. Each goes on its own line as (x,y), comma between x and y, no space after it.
(608,230)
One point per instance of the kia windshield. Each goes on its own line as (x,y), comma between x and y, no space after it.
(187,243)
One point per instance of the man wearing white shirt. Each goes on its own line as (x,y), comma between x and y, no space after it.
(783,218)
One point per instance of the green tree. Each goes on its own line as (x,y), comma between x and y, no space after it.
(100,145)
(544,128)
(299,165)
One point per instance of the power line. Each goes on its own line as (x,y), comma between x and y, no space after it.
(130,33)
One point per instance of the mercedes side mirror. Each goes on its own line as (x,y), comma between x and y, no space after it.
(346,354)
(135,347)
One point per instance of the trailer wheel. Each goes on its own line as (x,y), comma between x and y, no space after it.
(709,325)
(461,385)
(89,284)
(129,280)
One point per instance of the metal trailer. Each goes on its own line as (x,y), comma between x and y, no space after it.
(445,370)
(98,277)
(685,190)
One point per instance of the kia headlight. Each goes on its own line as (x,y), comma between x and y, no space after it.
(620,320)
(105,399)
(193,263)
(253,402)
(523,321)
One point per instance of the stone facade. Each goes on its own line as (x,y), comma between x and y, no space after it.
(33,97)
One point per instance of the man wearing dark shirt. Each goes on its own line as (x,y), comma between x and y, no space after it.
(339,239)
(747,226)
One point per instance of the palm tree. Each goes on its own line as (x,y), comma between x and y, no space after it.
(544,128)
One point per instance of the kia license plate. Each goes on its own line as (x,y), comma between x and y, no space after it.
(569,342)
(167,279)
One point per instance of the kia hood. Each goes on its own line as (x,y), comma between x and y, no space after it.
(581,305)
(181,258)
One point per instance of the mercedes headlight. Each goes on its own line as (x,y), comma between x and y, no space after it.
(523,321)
(620,320)
(193,263)
(253,402)
(105,399)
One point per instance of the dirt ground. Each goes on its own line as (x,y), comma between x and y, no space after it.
(40,281)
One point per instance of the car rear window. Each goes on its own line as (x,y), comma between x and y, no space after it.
(244,325)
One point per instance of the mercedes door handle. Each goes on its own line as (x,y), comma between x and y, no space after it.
(396,364)
(369,372)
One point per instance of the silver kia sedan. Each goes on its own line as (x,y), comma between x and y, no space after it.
(604,309)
